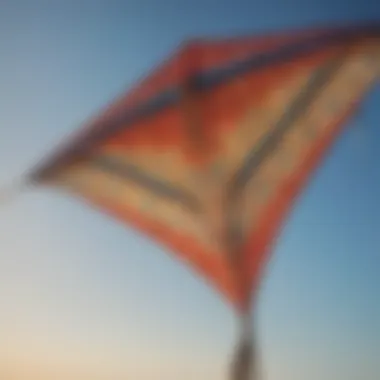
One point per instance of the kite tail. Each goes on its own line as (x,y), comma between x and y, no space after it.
(244,365)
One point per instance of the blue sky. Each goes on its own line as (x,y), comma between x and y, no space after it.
(82,293)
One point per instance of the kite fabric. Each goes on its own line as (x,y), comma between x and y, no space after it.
(208,153)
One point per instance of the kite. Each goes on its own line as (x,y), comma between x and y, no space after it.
(209,152)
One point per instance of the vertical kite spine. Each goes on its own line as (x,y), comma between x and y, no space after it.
(191,110)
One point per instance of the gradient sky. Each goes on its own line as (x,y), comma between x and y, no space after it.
(84,297)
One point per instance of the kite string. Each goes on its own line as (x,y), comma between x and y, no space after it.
(244,365)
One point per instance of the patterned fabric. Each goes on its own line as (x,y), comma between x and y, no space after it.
(209,152)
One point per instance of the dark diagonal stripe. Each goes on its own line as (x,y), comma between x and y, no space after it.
(209,79)
(158,187)
(257,61)
(267,145)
